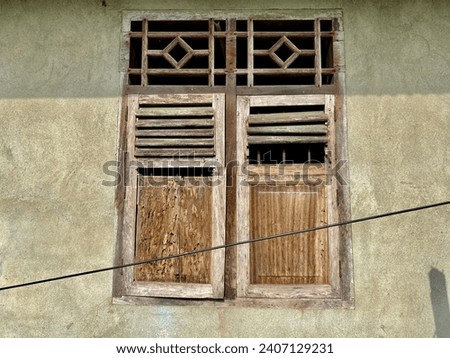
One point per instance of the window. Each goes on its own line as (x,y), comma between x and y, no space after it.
(233,130)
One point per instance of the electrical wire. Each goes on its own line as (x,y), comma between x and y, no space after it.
(225,246)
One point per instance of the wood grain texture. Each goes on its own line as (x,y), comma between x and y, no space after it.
(296,259)
(173,219)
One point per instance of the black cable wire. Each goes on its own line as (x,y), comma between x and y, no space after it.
(225,246)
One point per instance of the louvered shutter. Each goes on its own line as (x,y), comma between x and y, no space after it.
(176,148)
(287,192)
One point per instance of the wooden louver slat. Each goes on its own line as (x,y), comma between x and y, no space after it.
(287,128)
(174,129)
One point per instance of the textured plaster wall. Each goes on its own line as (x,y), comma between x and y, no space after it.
(59,107)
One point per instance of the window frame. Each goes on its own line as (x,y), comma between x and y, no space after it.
(342,296)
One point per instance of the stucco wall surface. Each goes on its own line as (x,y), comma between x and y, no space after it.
(59,112)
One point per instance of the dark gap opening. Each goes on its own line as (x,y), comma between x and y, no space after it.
(286,153)
(241,80)
(326,48)
(326,25)
(286,109)
(134,80)
(241,25)
(220,25)
(219,80)
(283,25)
(136,26)
(178,25)
(241,52)
(177,172)
(178,80)
(219,53)
(135,52)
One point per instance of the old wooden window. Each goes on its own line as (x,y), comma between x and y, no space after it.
(234,130)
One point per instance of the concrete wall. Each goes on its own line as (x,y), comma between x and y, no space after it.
(59,107)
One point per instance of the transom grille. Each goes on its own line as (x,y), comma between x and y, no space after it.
(191,52)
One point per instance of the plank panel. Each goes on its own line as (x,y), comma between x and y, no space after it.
(311,129)
(300,117)
(296,259)
(201,132)
(174,123)
(174,152)
(172,220)
(174,142)
(174,111)
(286,139)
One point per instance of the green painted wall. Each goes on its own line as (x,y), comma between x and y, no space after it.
(59,108)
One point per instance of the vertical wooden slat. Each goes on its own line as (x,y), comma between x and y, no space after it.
(318,56)
(211,53)
(250,46)
(144,64)
(230,160)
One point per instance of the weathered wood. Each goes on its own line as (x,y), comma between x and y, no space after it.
(170,99)
(174,111)
(297,259)
(286,139)
(173,219)
(231,131)
(287,118)
(311,129)
(144,63)
(175,152)
(317,50)
(299,52)
(200,132)
(174,123)
(288,100)
(174,142)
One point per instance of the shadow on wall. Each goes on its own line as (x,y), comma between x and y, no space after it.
(439,303)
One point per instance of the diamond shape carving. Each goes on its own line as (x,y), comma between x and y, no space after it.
(284,41)
(178,41)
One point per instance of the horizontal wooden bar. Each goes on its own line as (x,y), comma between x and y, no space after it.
(290,34)
(162,52)
(179,99)
(174,152)
(201,132)
(286,139)
(286,90)
(165,90)
(306,129)
(174,123)
(174,111)
(181,71)
(300,52)
(174,142)
(315,99)
(300,117)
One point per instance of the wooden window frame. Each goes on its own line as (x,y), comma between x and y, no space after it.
(339,294)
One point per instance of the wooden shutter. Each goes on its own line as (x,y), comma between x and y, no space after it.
(283,194)
(176,186)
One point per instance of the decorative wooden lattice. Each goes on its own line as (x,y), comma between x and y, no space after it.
(281,52)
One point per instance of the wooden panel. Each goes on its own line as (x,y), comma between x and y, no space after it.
(286,139)
(312,116)
(311,129)
(174,218)
(174,111)
(174,123)
(174,142)
(296,259)
(174,152)
(206,132)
